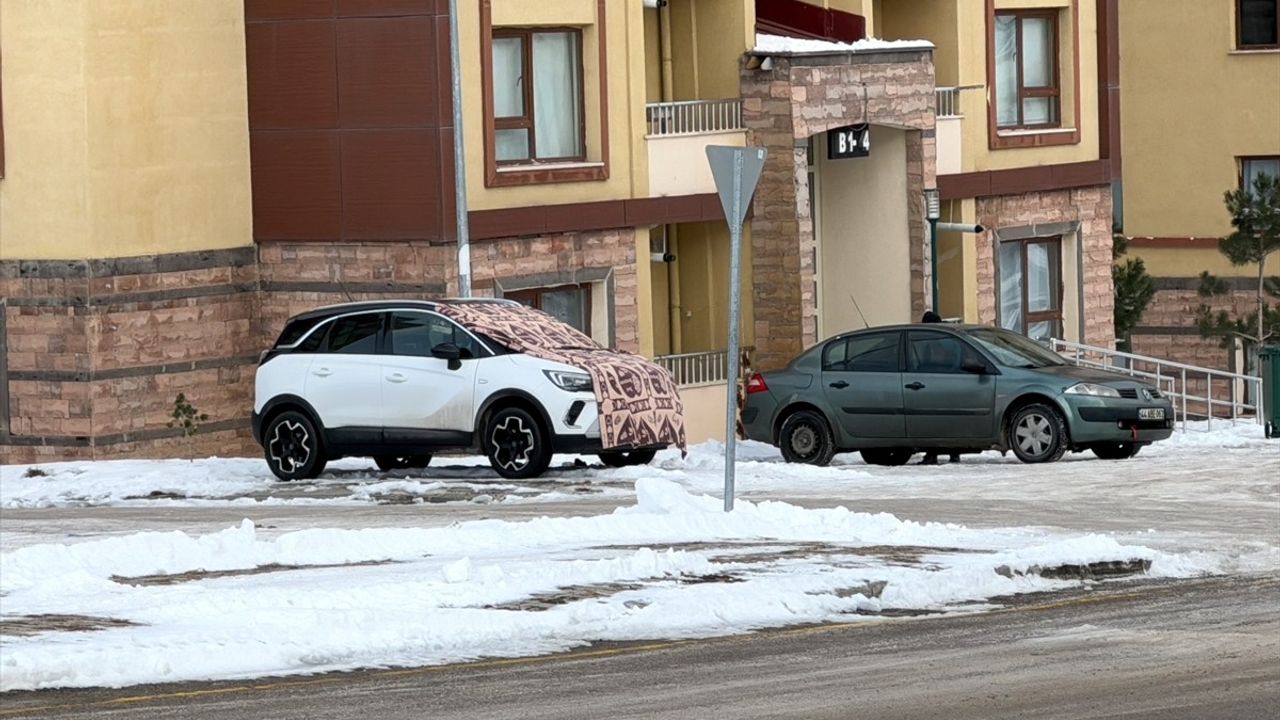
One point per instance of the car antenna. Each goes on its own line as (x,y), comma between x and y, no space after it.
(855,307)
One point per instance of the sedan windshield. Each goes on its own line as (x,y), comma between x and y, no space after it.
(1014,350)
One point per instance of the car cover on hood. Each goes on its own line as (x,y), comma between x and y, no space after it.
(638,401)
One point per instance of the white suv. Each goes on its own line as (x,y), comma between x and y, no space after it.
(398,380)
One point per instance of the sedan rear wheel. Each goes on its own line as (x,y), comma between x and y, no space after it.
(1116,451)
(1037,434)
(806,438)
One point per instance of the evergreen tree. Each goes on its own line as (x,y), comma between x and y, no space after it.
(1255,217)
(1133,287)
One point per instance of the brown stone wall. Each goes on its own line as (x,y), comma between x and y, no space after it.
(1091,208)
(783,107)
(1168,327)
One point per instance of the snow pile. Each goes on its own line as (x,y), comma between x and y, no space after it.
(491,588)
(780,45)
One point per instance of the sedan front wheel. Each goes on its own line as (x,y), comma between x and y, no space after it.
(1037,434)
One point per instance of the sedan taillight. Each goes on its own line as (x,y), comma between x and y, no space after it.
(756,384)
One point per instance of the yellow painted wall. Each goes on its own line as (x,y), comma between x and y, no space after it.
(627,88)
(938,22)
(1188,110)
(125,128)
(863,249)
(704,407)
(708,38)
(1171,262)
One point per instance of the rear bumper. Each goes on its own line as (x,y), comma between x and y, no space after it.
(757,417)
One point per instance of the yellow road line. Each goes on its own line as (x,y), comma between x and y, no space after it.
(571,655)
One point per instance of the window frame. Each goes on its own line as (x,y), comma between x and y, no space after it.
(1029,318)
(1010,138)
(1240,172)
(528,121)
(510,174)
(967,350)
(536,294)
(379,337)
(388,346)
(1239,34)
(1024,93)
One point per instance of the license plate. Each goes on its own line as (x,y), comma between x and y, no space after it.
(1150,413)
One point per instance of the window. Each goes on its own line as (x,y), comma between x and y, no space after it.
(1031,287)
(355,335)
(417,334)
(865,353)
(1257,24)
(1026,69)
(932,352)
(537,96)
(570,304)
(1252,168)
(1015,350)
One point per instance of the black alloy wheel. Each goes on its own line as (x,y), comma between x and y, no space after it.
(292,447)
(516,444)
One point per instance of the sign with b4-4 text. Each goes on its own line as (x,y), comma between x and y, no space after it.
(848,142)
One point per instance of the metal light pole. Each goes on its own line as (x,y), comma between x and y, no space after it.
(933,211)
(459,159)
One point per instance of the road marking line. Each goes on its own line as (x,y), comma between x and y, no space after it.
(584,654)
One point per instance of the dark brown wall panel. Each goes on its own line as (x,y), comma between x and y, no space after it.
(390,8)
(292,75)
(390,185)
(288,9)
(385,75)
(296,190)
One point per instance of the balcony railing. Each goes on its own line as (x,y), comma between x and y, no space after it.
(693,117)
(702,368)
(948,100)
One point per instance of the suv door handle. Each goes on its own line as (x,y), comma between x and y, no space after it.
(914,386)
(322,372)
(840,384)
(397,377)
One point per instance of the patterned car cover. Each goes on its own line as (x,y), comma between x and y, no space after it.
(638,401)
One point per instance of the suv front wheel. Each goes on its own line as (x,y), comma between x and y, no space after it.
(516,444)
(292,447)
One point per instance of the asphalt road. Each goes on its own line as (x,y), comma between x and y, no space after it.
(1207,649)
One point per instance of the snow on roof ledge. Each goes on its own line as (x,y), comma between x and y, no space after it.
(779,45)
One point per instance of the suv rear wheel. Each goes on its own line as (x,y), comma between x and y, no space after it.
(402,462)
(292,447)
(516,444)
(624,458)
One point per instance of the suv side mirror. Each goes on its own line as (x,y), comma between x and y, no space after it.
(450,352)
(973,365)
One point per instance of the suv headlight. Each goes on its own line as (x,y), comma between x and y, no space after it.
(570,381)
(1092,390)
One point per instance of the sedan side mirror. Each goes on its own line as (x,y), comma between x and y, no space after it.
(972,365)
(450,352)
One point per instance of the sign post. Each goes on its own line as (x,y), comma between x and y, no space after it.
(736,171)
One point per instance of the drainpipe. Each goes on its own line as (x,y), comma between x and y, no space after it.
(666,86)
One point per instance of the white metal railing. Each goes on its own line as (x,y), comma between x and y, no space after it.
(700,368)
(1179,382)
(692,117)
(948,100)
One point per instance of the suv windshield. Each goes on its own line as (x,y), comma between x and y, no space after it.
(1014,350)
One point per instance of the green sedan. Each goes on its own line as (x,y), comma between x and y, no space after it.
(889,392)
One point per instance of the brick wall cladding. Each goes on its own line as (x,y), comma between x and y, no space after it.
(782,108)
(95,364)
(1091,207)
(1174,311)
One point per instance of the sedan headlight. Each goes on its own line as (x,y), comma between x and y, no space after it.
(1092,390)
(570,381)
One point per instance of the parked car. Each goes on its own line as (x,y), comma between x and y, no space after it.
(889,392)
(401,380)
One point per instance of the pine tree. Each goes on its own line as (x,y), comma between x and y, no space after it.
(1255,217)
(1133,287)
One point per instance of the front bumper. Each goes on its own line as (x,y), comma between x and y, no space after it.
(1105,420)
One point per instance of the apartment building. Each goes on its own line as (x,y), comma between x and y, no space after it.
(181,177)
(1200,118)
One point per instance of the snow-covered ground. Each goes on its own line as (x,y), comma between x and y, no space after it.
(635,553)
